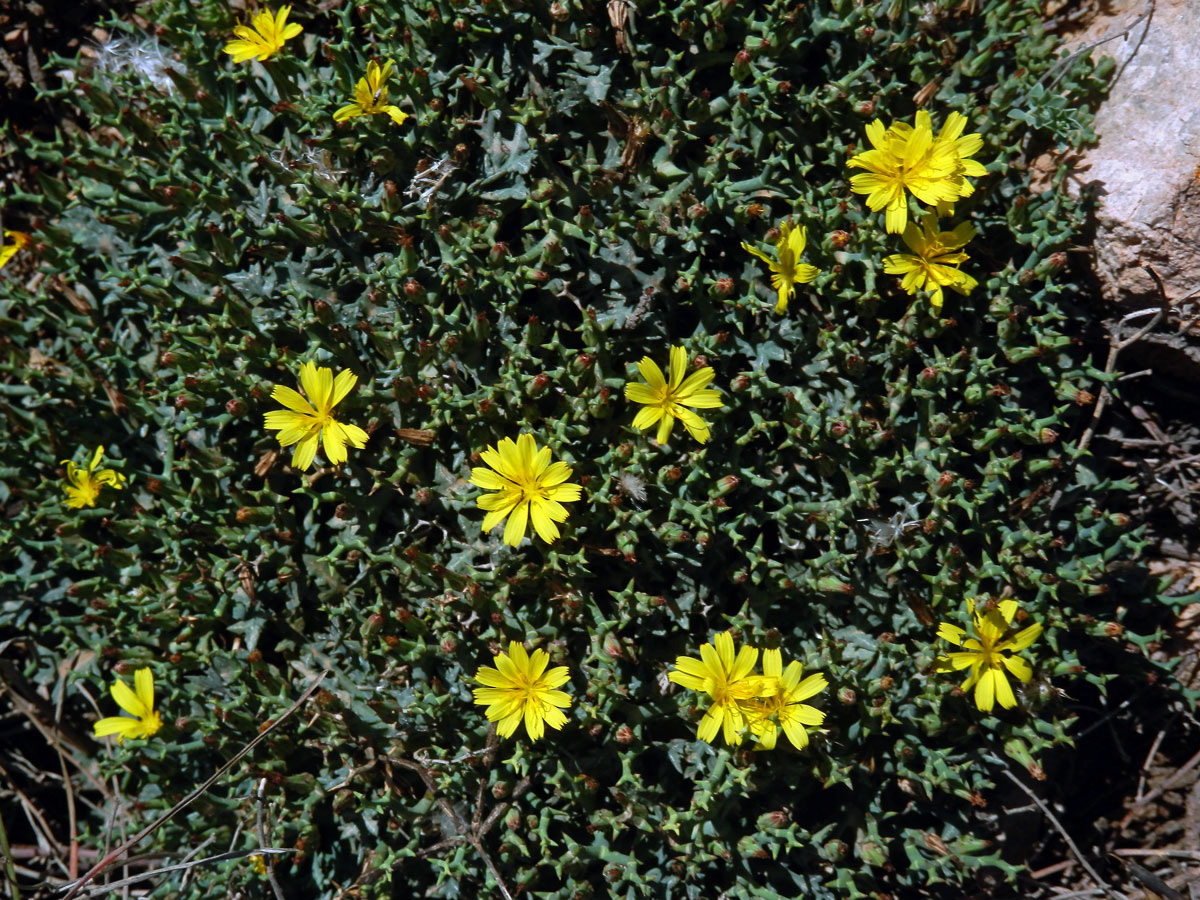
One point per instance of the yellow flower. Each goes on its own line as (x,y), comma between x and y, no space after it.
(727,680)
(84,485)
(963,147)
(909,158)
(370,96)
(990,655)
(520,688)
(20,240)
(665,401)
(934,261)
(529,488)
(302,424)
(138,703)
(265,38)
(788,271)
(784,703)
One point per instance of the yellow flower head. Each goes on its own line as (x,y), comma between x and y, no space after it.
(788,271)
(934,261)
(139,703)
(728,680)
(20,240)
(370,96)
(304,423)
(908,158)
(951,139)
(990,654)
(529,488)
(784,703)
(665,401)
(520,688)
(264,37)
(83,485)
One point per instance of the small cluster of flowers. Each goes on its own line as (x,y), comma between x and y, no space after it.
(529,489)
(521,689)
(743,700)
(268,32)
(910,159)
(905,159)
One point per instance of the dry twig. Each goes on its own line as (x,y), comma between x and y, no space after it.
(109,858)
(1116,344)
(1161,789)
(473,833)
(1066,837)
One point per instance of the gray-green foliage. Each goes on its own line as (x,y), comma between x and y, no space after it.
(197,245)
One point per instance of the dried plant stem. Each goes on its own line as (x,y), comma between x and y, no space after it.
(261,833)
(473,833)
(1066,837)
(111,857)
(1162,788)
(10,873)
(180,867)
(1116,344)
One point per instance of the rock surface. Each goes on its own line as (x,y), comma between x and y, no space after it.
(1148,157)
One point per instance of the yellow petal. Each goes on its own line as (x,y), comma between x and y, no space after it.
(772,663)
(488,479)
(678,366)
(543,524)
(951,633)
(533,720)
(710,724)
(355,435)
(128,700)
(723,645)
(514,529)
(334,441)
(985,690)
(653,374)
(1018,667)
(695,425)
(1022,638)
(118,725)
(564,493)
(705,399)
(304,453)
(1004,691)
(490,677)
(796,734)
(143,682)
(508,725)
(646,417)
(292,399)
(342,385)
(796,240)
(317,383)
(694,382)
(557,677)
(496,516)
(664,426)
(397,114)
(758,253)
(555,474)
(640,393)
(553,717)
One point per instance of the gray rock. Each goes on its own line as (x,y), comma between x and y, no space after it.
(1147,161)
